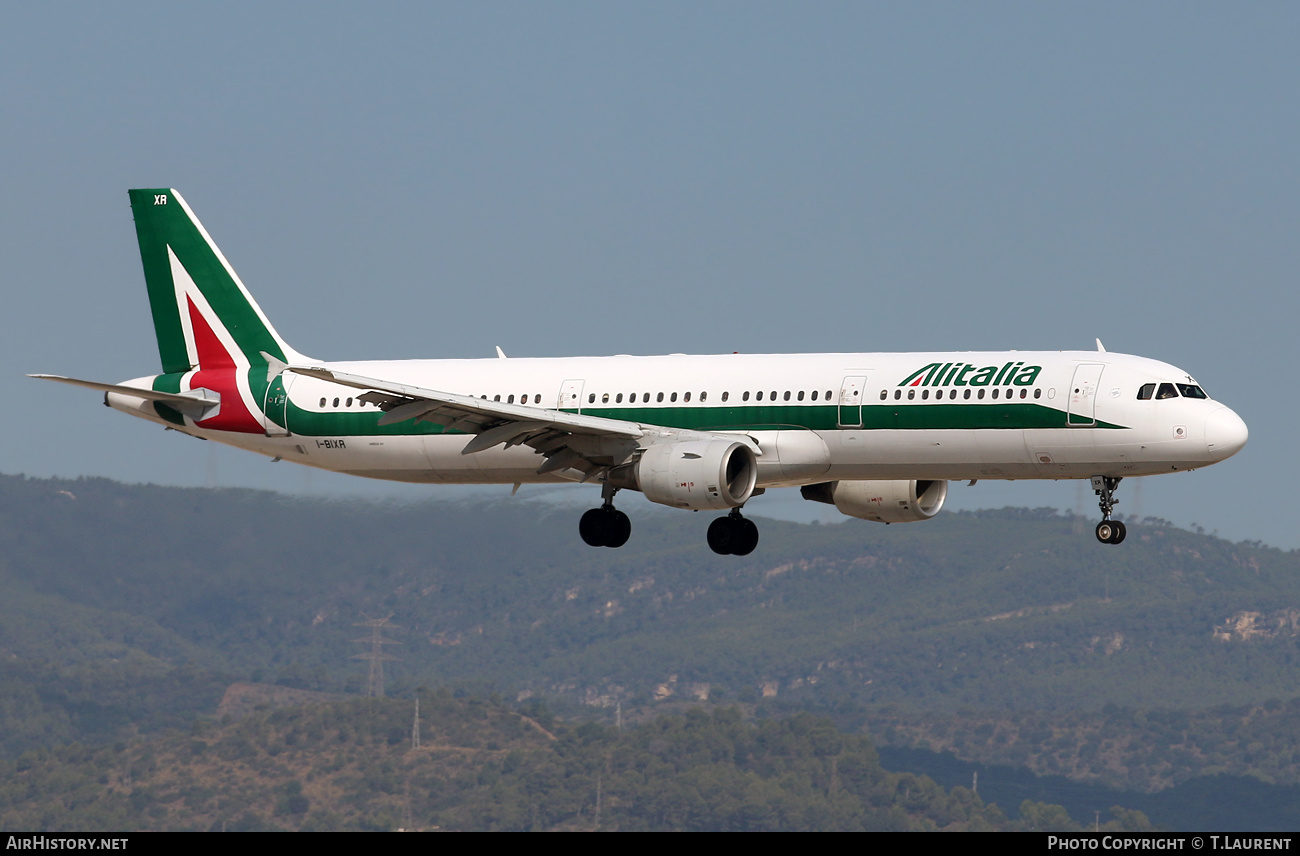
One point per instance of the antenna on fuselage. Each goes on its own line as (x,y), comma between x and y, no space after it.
(1100,347)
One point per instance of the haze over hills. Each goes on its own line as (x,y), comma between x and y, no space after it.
(131,608)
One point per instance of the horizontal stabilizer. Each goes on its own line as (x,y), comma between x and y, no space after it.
(195,405)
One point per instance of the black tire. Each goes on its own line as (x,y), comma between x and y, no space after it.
(618,528)
(748,539)
(722,536)
(1111,531)
(594,527)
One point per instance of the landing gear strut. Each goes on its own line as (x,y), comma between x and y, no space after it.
(733,535)
(605,526)
(1108,531)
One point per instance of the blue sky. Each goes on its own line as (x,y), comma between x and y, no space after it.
(403,180)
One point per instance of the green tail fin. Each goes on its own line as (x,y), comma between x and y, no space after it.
(186,276)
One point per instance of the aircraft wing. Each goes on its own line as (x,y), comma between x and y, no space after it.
(567,440)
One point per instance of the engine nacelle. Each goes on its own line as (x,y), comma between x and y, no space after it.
(697,474)
(893,501)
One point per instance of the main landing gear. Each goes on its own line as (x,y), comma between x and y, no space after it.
(1108,531)
(605,526)
(733,535)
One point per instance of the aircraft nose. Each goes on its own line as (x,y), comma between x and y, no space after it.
(1225,433)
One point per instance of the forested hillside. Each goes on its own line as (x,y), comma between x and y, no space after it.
(479,765)
(129,609)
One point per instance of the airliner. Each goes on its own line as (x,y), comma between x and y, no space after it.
(877,435)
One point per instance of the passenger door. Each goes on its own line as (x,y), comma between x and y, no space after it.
(1083,395)
(570,396)
(850,403)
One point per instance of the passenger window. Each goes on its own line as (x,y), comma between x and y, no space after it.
(925,394)
(828,395)
(995,392)
(1166,390)
(800,395)
(814,395)
(725,396)
(1024,393)
(884,393)
(744,396)
(704,396)
(965,393)
(496,398)
(659,397)
(911,394)
(759,395)
(604,398)
(898,393)
(510,399)
(773,395)
(1038,393)
(672,397)
(336,402)
(322,402)
(952,393)
(618,399)
(787,395)
(686,397)
(591,399)
(979,394)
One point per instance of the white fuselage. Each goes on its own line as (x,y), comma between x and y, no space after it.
(834,417)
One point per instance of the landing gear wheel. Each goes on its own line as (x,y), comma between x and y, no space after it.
(620,529)
(605,527)
(593,527)
(733,535)
(722,536)
(748,537)
(1111,531)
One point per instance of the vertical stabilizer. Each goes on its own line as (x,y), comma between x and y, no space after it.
(201,311)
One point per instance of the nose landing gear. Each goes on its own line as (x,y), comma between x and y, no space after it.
(1108,531)
(733,535)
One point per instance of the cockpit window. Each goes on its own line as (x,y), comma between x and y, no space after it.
(1166,391)
(1191,390)
(1147,390)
